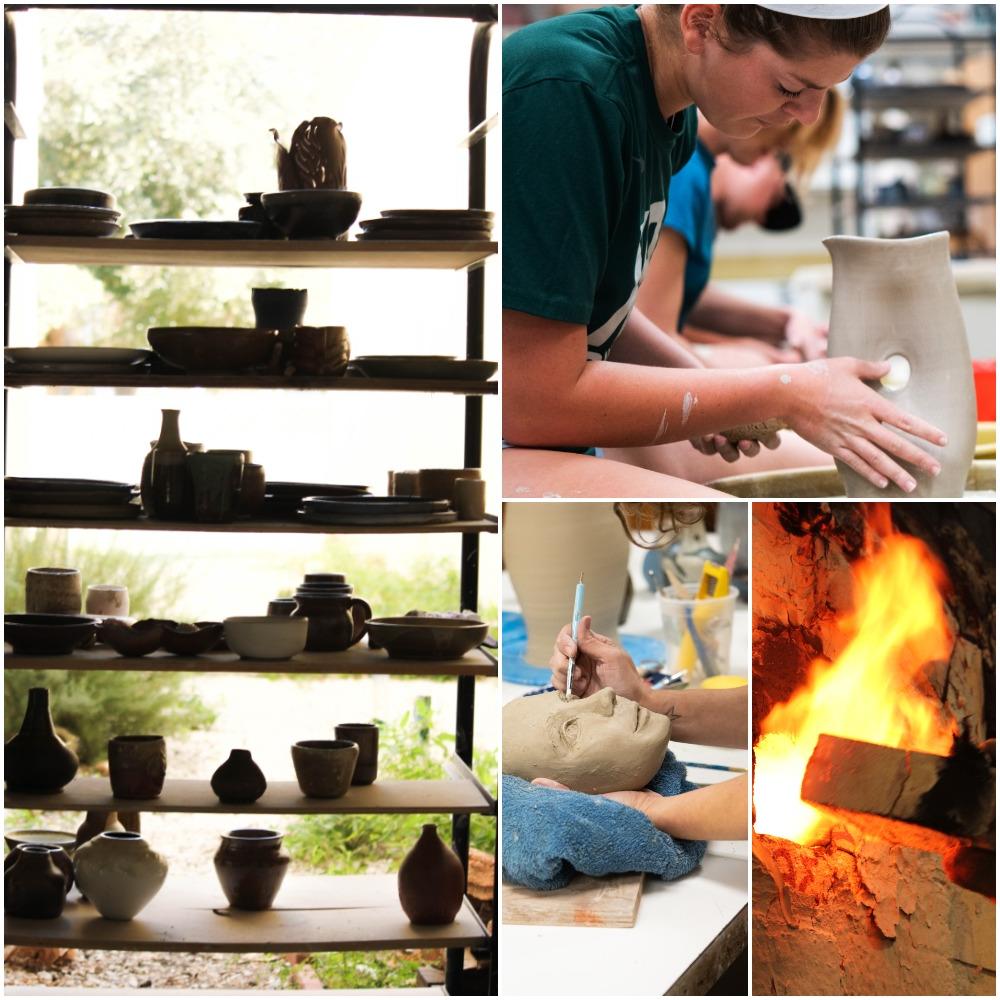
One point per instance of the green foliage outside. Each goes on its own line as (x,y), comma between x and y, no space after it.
(346,970)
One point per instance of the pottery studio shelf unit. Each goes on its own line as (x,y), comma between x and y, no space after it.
(313,913)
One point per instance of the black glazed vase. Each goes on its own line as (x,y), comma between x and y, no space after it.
(36,760)
(239,779)
(34,886)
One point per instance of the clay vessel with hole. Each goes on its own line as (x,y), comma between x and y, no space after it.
(897,299)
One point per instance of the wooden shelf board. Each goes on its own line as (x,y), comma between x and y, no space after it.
(463,387)
(257,527)
(185,795)
(871,150)
(453,255)
(311,913)
(356,660)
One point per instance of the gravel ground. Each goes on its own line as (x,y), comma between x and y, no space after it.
(266,716)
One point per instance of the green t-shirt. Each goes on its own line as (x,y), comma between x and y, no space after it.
(587,161)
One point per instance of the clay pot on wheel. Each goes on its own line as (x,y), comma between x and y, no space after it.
(431,881)
(895,300)
(137,765)
(36,760)
(336,622)
(251,867)
(119,873)
(34,885)
(239,779)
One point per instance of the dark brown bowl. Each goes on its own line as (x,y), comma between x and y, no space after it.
(213,348)
(191,640)
(140,639)
(417,638)
(314,213)
(48,634)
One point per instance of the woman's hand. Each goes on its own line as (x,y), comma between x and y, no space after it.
(599,663)
(719,444)
(644,801)
(831,407)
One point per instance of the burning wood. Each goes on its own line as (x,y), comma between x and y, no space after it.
(922,800)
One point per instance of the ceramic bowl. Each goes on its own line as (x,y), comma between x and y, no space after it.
(52,838)
(414,637)
(191,640)
(139,639)
(324,768)
(271,637)
(315,213)
(54,635)
(213,348)
(69,196)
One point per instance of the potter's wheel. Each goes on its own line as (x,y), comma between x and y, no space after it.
(825,483)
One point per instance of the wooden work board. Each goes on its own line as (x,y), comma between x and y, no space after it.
(608,901)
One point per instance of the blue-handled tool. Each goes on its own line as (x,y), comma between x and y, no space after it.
(577,615)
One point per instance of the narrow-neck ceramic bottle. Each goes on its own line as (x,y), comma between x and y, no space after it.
(170,493)
(36,760)
(431,881)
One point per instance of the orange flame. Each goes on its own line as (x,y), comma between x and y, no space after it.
(874,691)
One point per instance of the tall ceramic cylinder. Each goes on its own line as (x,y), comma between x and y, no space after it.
(35,759)
(896,300)
(119,873)
(546,547)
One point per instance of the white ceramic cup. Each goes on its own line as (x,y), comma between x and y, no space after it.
(107,599)
(470,499)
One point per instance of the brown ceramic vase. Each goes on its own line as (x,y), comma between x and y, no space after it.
(59,856)
(137,765)
(34,885)
(36,760)
(431,881)
(251,867)
(239,779)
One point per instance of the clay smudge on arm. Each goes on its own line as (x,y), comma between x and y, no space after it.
(687,406)
(661,430)
(785,379)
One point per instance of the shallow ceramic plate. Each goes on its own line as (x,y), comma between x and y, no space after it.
(437,213)
(77,369)
(60,220)
(56,486)
(424,235)
(69,497)
(423,367)
(289,490)
(76,355)
(63,211)
(185,229)
(403,223)
(324,517)
(74,512)
(373,506)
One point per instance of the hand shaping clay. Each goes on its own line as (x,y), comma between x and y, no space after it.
(603,743)
(896,300)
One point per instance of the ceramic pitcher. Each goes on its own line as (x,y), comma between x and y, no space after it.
(896,300)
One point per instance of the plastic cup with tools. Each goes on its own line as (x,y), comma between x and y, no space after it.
(698,631)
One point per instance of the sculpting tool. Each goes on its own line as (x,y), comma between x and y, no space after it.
(577,615)
(731,558)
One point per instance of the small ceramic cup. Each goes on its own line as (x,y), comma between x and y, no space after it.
(278,308)
(137,766)
(365,734)
(217,478)
(281,607)
(439,484)
(404,484)
(107,600)
(53,590)
(324,768)
(470,499)
(320,350)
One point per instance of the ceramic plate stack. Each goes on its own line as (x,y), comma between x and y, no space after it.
(284,500)
(73,499)
(376,510)
(196,229)
(475,224)
(63,211)
(76,360)
(421,366)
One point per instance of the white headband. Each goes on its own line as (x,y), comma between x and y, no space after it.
(826,11)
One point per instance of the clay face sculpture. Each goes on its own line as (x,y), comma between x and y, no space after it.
(602,743)
(896,300)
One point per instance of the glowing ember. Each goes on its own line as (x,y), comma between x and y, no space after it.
(874,691)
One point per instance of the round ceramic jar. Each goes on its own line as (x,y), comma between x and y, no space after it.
(34,884)
(119,873)
(251,867)
(52,590)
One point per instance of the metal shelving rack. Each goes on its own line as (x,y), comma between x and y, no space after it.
(371,918)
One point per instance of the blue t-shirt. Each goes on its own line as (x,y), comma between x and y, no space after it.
(691,214)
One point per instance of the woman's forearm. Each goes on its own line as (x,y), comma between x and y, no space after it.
(643,342)
(735,317)
(715,812)
(715,718)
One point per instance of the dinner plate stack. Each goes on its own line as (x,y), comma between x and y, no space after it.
(421,366)
(470,224)
(284,500)
(76,360)
(376,510)
(63,211)
(73,499)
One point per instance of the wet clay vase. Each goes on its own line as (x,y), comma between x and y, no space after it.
(239,779)
(365,734)
(95,823)
(119,873)
(36,760)
(431,881)
(324,768)
(137,766)
(59,855)
(52,590)
(545,548)
(251,867)
(336,622)
(216,479)
(34,886)
(895,300)
(170,491)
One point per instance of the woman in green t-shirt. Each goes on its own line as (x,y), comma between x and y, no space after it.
(598,113)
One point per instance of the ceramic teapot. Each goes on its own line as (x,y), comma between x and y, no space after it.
(336,621)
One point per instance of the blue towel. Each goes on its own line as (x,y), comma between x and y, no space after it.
(550,834)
